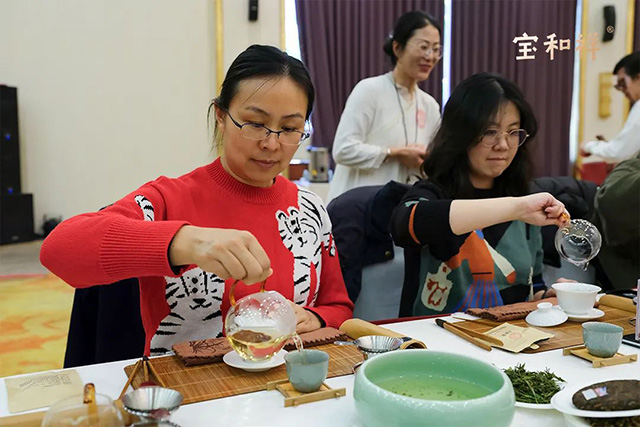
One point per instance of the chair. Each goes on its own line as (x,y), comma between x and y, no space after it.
(372,267)
(105,324)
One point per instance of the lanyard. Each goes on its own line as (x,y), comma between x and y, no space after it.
(404,125)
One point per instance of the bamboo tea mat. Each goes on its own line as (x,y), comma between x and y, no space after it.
(568,334)
(217,380)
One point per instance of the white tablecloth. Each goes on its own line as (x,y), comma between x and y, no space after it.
(266,408)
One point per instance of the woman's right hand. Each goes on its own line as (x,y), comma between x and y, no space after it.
(541,209)
(227,253)
(410,156)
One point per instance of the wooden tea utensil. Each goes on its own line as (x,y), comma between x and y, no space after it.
(449,327)
(89,399)
(130,379)
(149,365)
(621,303)
(357,328)
(145,368)
(476,334)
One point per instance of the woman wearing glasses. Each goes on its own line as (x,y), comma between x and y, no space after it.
(472,224)
(236,218)
(388,121)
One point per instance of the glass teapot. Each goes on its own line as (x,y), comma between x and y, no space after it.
(258,325)
(578,242)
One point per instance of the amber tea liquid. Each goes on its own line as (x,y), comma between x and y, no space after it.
(257,345)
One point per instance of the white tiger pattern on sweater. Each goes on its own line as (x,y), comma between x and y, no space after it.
(194,298)
(305,230)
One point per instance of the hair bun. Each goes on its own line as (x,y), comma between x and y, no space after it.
(388,46)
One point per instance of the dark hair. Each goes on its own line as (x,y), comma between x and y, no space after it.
(630,63)
(405,27)
(472,105)
(263,61)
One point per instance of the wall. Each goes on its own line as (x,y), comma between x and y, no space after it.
(240,33)
(605,59)
(113,93)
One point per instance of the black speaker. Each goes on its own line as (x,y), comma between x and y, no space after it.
(9,141)
(253,10)
(609,23)
(16,218)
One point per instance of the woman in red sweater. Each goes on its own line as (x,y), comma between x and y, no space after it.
(186,239)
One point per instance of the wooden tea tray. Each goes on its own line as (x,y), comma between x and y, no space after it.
(568,334)
(217,380)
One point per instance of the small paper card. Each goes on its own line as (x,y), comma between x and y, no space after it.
(515,338)
(40,390)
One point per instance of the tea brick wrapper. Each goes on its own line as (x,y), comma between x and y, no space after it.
(616,395)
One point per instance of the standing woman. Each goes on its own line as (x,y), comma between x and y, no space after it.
(388,121)
(473,222)
(187,239)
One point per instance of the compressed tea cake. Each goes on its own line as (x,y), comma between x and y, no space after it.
(616,395)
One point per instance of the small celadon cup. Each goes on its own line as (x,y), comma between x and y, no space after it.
(602,339)
(431,388)
(307,369)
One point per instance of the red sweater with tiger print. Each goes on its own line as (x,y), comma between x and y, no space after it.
(131,239)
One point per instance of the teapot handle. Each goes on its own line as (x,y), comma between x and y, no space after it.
(232,296)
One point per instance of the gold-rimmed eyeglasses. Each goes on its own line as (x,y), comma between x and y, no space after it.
(258,132)
(515,137)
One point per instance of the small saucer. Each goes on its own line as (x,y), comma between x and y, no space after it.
(593,314)
(546,315)
(234,360)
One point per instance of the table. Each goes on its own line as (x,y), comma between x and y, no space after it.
(266,408)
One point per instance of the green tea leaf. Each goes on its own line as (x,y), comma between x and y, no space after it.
(533,386)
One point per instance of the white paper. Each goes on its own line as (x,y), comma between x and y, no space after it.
(41,390)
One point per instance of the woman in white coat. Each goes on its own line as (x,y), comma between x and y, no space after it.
(388,121)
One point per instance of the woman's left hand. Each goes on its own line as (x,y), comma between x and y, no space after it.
(306,321)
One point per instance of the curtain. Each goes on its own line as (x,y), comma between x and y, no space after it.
(636,28)
(483,33)
(341,43)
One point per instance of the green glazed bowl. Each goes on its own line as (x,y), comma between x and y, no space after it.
(432,388)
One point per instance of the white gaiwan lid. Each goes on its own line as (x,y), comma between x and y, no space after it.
(546,315)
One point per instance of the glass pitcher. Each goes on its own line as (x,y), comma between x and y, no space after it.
(258,325)
(578,242)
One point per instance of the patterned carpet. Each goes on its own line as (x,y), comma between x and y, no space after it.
(34,321)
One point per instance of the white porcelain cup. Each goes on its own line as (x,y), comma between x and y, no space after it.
(576,298)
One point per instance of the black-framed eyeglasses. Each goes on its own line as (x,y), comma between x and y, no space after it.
(258,132)
(621,85)
(515,137)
